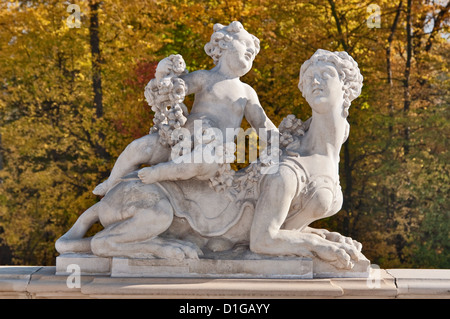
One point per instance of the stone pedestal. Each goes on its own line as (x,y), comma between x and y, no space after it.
(242,265)
(296,268)
(89,264)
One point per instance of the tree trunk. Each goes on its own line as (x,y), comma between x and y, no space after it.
(445,12)
(96,58)
(407,88)
(1,154)
(338,25)
(388,63)
(348,201)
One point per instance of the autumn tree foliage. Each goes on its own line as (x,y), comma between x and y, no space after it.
(72,98)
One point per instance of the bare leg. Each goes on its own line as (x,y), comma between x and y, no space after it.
(73,240)
(184,168)
(138,236)
(145,150)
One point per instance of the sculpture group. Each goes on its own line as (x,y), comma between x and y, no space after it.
(188,201)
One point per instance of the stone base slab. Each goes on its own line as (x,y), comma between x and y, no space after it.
(89,264)
(300,268)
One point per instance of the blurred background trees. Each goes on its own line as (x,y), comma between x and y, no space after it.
(71,99)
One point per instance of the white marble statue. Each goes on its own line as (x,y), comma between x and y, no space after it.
(173,210)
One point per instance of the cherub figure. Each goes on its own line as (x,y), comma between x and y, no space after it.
(221,101)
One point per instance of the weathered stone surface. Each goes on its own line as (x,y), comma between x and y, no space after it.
(417,283)
(361,269)
(211,288)
(89,264)
(213,268)
(14,281)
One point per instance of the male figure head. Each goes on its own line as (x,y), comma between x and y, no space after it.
(232,48)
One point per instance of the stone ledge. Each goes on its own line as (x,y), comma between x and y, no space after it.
(422,283)
(41,282)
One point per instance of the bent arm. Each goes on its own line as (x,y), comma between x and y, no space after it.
(266,236)
(257,118)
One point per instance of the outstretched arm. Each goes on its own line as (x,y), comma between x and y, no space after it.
(194,81)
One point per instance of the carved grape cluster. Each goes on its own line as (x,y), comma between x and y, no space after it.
(224,154)
(223,178)
(165,94)
(289,128)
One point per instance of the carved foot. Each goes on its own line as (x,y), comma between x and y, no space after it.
(334,237)
(174,249)
(102,188)
(340,255)
(148,175)
(341,247)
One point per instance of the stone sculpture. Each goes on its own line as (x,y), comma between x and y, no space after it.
(186,207)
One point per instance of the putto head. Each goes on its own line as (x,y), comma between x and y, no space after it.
(346,67)
(222,37)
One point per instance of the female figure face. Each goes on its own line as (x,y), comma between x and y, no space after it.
(322,87)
